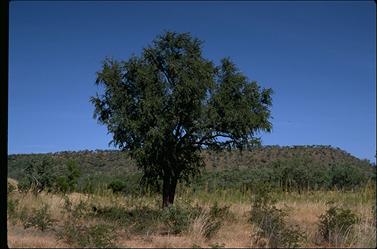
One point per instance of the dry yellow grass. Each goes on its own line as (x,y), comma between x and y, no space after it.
(31,238)
(237,232)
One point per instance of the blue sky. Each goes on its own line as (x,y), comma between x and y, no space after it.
(318,57)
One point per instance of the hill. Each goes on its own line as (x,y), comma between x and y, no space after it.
(286,166)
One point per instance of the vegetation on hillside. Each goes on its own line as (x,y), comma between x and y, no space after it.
(296,168)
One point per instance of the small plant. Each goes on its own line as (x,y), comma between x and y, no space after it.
(99,235)
(116,186)
(40,219)
(336,224)
(76,231)
(176,219)
(271,221)
(82,235)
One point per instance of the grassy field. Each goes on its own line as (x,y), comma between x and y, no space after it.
(217,219)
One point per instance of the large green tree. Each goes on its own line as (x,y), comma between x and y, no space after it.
(168,104)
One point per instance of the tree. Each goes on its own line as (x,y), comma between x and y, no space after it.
(38,175)
(167,105)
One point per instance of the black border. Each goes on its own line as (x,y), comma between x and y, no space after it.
(4,8)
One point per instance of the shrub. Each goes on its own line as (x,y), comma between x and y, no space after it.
(116,186)
(38,176)
(72,174)
(82,235)
(137,220)
(176,219)
(117,214)
(336,223)
(61,184)
(24,185)
(271,221)
(40,218)
(77,232)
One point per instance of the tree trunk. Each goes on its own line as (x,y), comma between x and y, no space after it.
(168,191)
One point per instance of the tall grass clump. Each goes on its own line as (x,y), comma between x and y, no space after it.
(208,222)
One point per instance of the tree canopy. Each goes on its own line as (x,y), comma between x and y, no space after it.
(169,103)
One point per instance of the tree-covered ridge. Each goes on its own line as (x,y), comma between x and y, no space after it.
(285,167)
(323,155)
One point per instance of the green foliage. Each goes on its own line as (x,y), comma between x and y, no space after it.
(72,175)
(169,103)
(176,219)
(116,186)
(83,235)
(88,186)
(61,184)
(336,223)
(39,218)
(271,221)
(346,176)
(139,220)
(38,175)
(299,168)
(77,231)
(24,185)
(67,180)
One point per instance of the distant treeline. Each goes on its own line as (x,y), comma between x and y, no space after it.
(295,168)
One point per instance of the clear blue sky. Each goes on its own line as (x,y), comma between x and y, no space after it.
(318,57)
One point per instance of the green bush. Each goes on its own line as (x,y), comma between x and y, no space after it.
(117,214)
(346,176)
(336,224)
(76,231)
(83,235)
(139,220)
(39,218)
(116,186)
(61,184)
(38,175)
(271,221)
(176,219)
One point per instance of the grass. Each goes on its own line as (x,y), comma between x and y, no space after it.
(140,222)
